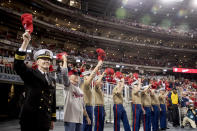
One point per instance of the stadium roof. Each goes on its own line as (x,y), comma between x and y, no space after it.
(165,13)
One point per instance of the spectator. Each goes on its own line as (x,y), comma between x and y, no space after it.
(184,100)
(190,117)
(74,102)
(174,98)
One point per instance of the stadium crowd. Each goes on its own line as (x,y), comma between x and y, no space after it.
(84,53)
(37,68)
(82,29)
(173,31)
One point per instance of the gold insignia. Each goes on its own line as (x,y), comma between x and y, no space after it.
(53,114)
(47,53)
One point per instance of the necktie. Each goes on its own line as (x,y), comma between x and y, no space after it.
(47,78)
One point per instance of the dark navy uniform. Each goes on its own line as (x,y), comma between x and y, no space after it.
(39,108)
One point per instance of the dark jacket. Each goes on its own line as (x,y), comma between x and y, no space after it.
(39,108)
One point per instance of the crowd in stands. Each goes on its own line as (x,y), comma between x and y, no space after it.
(4,58)
(110,57)
(82,30)
(184,86)
(187,88)
(82,54)
(174,31)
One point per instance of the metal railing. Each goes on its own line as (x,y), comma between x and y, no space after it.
(7,70)
(108,101)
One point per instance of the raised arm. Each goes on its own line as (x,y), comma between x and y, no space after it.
(82,66)
(138,87)
(64,73)
(26,40)
(93,73)
(194,112)
(146,88)
(100,78)
(19,65)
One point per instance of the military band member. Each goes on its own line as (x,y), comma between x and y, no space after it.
(119,111)
(99,112)
(86,88)
(146,102)
(163,106)
(156,109)
(39,109)
(137,106)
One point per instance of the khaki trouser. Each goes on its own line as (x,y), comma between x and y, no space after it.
(183,111)
(186,119)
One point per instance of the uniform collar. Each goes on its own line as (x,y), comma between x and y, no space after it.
(42,72)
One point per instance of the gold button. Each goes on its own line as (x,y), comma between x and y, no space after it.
(40,107)
(50,95)
(41,99)
(49,102)
(49,109)
(42,92)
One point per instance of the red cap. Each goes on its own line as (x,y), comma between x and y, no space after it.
(109,71)
(119,75)
(135,75)
(59,56)
(27,22)
(101,54)
(74,72)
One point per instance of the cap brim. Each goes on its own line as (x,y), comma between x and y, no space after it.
(40,57)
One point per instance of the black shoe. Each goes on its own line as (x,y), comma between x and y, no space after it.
(167,128)
(162,129)
(182,126)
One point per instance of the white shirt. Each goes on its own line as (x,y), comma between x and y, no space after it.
(74,102)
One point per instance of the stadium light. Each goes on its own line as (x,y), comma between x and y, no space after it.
(170,1)
(117,66)
(193,3)
(28,51)
(165,70)
(59,0)
(78,61)
(125,2)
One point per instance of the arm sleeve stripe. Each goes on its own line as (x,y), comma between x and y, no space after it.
(19,57)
